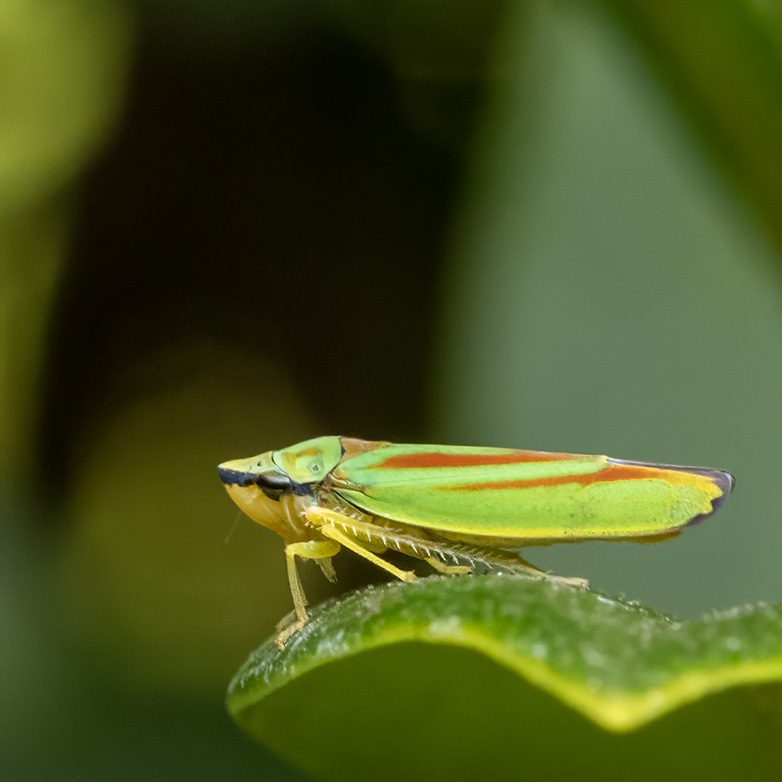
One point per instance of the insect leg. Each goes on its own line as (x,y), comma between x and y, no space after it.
(330,531)
(451,570)
(328,569)
(572,581)
(311,549)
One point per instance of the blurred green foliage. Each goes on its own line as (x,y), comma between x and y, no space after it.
(225,227)
(630,302)
(63,67)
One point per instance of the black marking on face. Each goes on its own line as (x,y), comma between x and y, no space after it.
(303,489)
(274,480)
(236,477)
(274,484)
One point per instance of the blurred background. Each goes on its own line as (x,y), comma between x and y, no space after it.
(229,226)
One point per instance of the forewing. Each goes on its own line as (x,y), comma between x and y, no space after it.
(526,495)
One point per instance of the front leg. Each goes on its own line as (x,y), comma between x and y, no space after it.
(310,549)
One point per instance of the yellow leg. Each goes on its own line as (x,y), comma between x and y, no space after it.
(451,570)
(336,534)
(359,529)
(311,549)
(328,569)
(520,565)
(572,581)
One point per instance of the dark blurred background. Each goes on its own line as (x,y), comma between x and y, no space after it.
(229,226)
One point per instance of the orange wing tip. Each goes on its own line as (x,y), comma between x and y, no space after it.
(722,479)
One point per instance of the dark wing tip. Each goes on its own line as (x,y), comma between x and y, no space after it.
(722,479)
(724,482)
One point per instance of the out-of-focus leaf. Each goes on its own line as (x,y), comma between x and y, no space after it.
(723,59)
(60,88)
(611,295)
(618,664)
(31,251)
(63,67)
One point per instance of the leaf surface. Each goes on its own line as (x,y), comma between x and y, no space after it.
(378,661)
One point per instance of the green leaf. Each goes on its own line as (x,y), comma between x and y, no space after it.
(61,87)
(349,689)
(723,61)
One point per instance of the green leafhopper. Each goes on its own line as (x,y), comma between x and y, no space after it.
(460,509)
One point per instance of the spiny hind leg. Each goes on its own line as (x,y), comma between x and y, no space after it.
(319,550)
(450,570)
(572,581)
(358,527)
(511,561)
(326,521)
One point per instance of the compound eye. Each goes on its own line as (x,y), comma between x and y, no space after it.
(275,480)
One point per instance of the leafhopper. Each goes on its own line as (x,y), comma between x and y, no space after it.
(460,509)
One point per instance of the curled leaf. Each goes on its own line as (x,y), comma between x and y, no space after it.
(618,664)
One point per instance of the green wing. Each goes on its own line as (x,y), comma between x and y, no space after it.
(526,495)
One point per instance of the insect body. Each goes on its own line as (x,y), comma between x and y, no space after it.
(458,508)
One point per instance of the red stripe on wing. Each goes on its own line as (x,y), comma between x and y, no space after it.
(616,472)
(438,459)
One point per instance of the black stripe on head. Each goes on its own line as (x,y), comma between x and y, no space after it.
(274,480)
(236,477)
(274,484)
